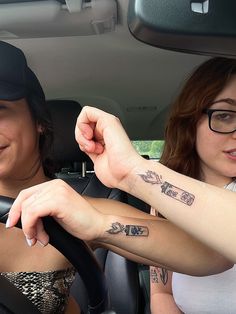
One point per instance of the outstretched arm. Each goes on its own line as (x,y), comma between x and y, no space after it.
(204,211)
(115,225)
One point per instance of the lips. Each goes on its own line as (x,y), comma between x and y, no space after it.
(2,147)
(231,153)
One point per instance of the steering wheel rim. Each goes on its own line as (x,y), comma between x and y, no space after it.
(84,260)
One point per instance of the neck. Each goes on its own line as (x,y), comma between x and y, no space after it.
(219,181)
(12,187)
(213,177)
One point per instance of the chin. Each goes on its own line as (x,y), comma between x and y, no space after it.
(230,174)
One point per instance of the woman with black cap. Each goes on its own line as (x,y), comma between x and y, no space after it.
(42,274)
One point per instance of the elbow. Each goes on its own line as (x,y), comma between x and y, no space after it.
(218,265)
(223,265)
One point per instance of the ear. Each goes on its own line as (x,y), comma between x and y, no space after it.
(40,129)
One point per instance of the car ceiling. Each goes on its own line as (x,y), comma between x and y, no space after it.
(112,71)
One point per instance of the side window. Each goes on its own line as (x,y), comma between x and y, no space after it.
(153,149)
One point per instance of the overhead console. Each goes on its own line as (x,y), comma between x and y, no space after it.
(52,18)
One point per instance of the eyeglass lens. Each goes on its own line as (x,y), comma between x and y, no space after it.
(223,121)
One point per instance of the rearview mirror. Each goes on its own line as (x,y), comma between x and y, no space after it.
(194,26)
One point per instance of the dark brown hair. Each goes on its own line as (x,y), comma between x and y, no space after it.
(41,115)
(199,91)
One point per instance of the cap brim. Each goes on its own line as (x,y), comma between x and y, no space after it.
(11,92)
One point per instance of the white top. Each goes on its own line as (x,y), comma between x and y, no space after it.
(215,294)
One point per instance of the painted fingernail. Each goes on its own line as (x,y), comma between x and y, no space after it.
(30,241)
(8,223)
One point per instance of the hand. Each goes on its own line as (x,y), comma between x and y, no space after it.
(102,137)
(57,199)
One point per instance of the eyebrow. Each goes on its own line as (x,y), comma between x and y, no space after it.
(229,101)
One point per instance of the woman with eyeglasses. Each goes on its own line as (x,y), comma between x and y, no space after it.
(200,142)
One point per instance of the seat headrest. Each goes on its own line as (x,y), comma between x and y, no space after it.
(64,114)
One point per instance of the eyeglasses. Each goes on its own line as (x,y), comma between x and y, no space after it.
(221,121)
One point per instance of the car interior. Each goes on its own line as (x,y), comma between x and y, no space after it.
(128,58)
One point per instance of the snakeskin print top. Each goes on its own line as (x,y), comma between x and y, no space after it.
(48,291)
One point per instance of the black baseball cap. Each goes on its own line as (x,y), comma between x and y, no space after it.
(17,80)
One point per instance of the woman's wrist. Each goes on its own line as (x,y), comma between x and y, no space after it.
(106,223)
(131,183)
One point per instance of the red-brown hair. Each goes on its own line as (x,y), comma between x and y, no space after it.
(199,91)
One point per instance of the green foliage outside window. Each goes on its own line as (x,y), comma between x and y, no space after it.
(151,148)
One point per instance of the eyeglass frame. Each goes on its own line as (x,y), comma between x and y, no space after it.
(209,112)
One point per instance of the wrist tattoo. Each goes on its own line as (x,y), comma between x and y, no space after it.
(158,274)
(153,274)
(129,230)
(167,188)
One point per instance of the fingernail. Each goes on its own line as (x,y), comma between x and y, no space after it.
(29,241)
(41,243)
(8,223)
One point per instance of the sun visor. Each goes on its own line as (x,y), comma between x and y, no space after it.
(51,18)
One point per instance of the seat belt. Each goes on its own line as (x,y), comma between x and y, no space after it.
(144,278)
(13,300)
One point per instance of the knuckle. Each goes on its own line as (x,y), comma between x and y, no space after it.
(59,184)
(22,193)
(62,188)
(117,119)
(24,205)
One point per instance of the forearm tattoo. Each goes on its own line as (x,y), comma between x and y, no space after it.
(167,188)
(158,274)
(128,230)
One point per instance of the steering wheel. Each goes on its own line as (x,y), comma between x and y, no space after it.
(77,252)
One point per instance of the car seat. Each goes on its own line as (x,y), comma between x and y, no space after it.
(122,275)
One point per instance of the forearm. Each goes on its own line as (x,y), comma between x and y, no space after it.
(166,245)
(163,303)
(160,243)
(207,212)
(133,257)
(161,296)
